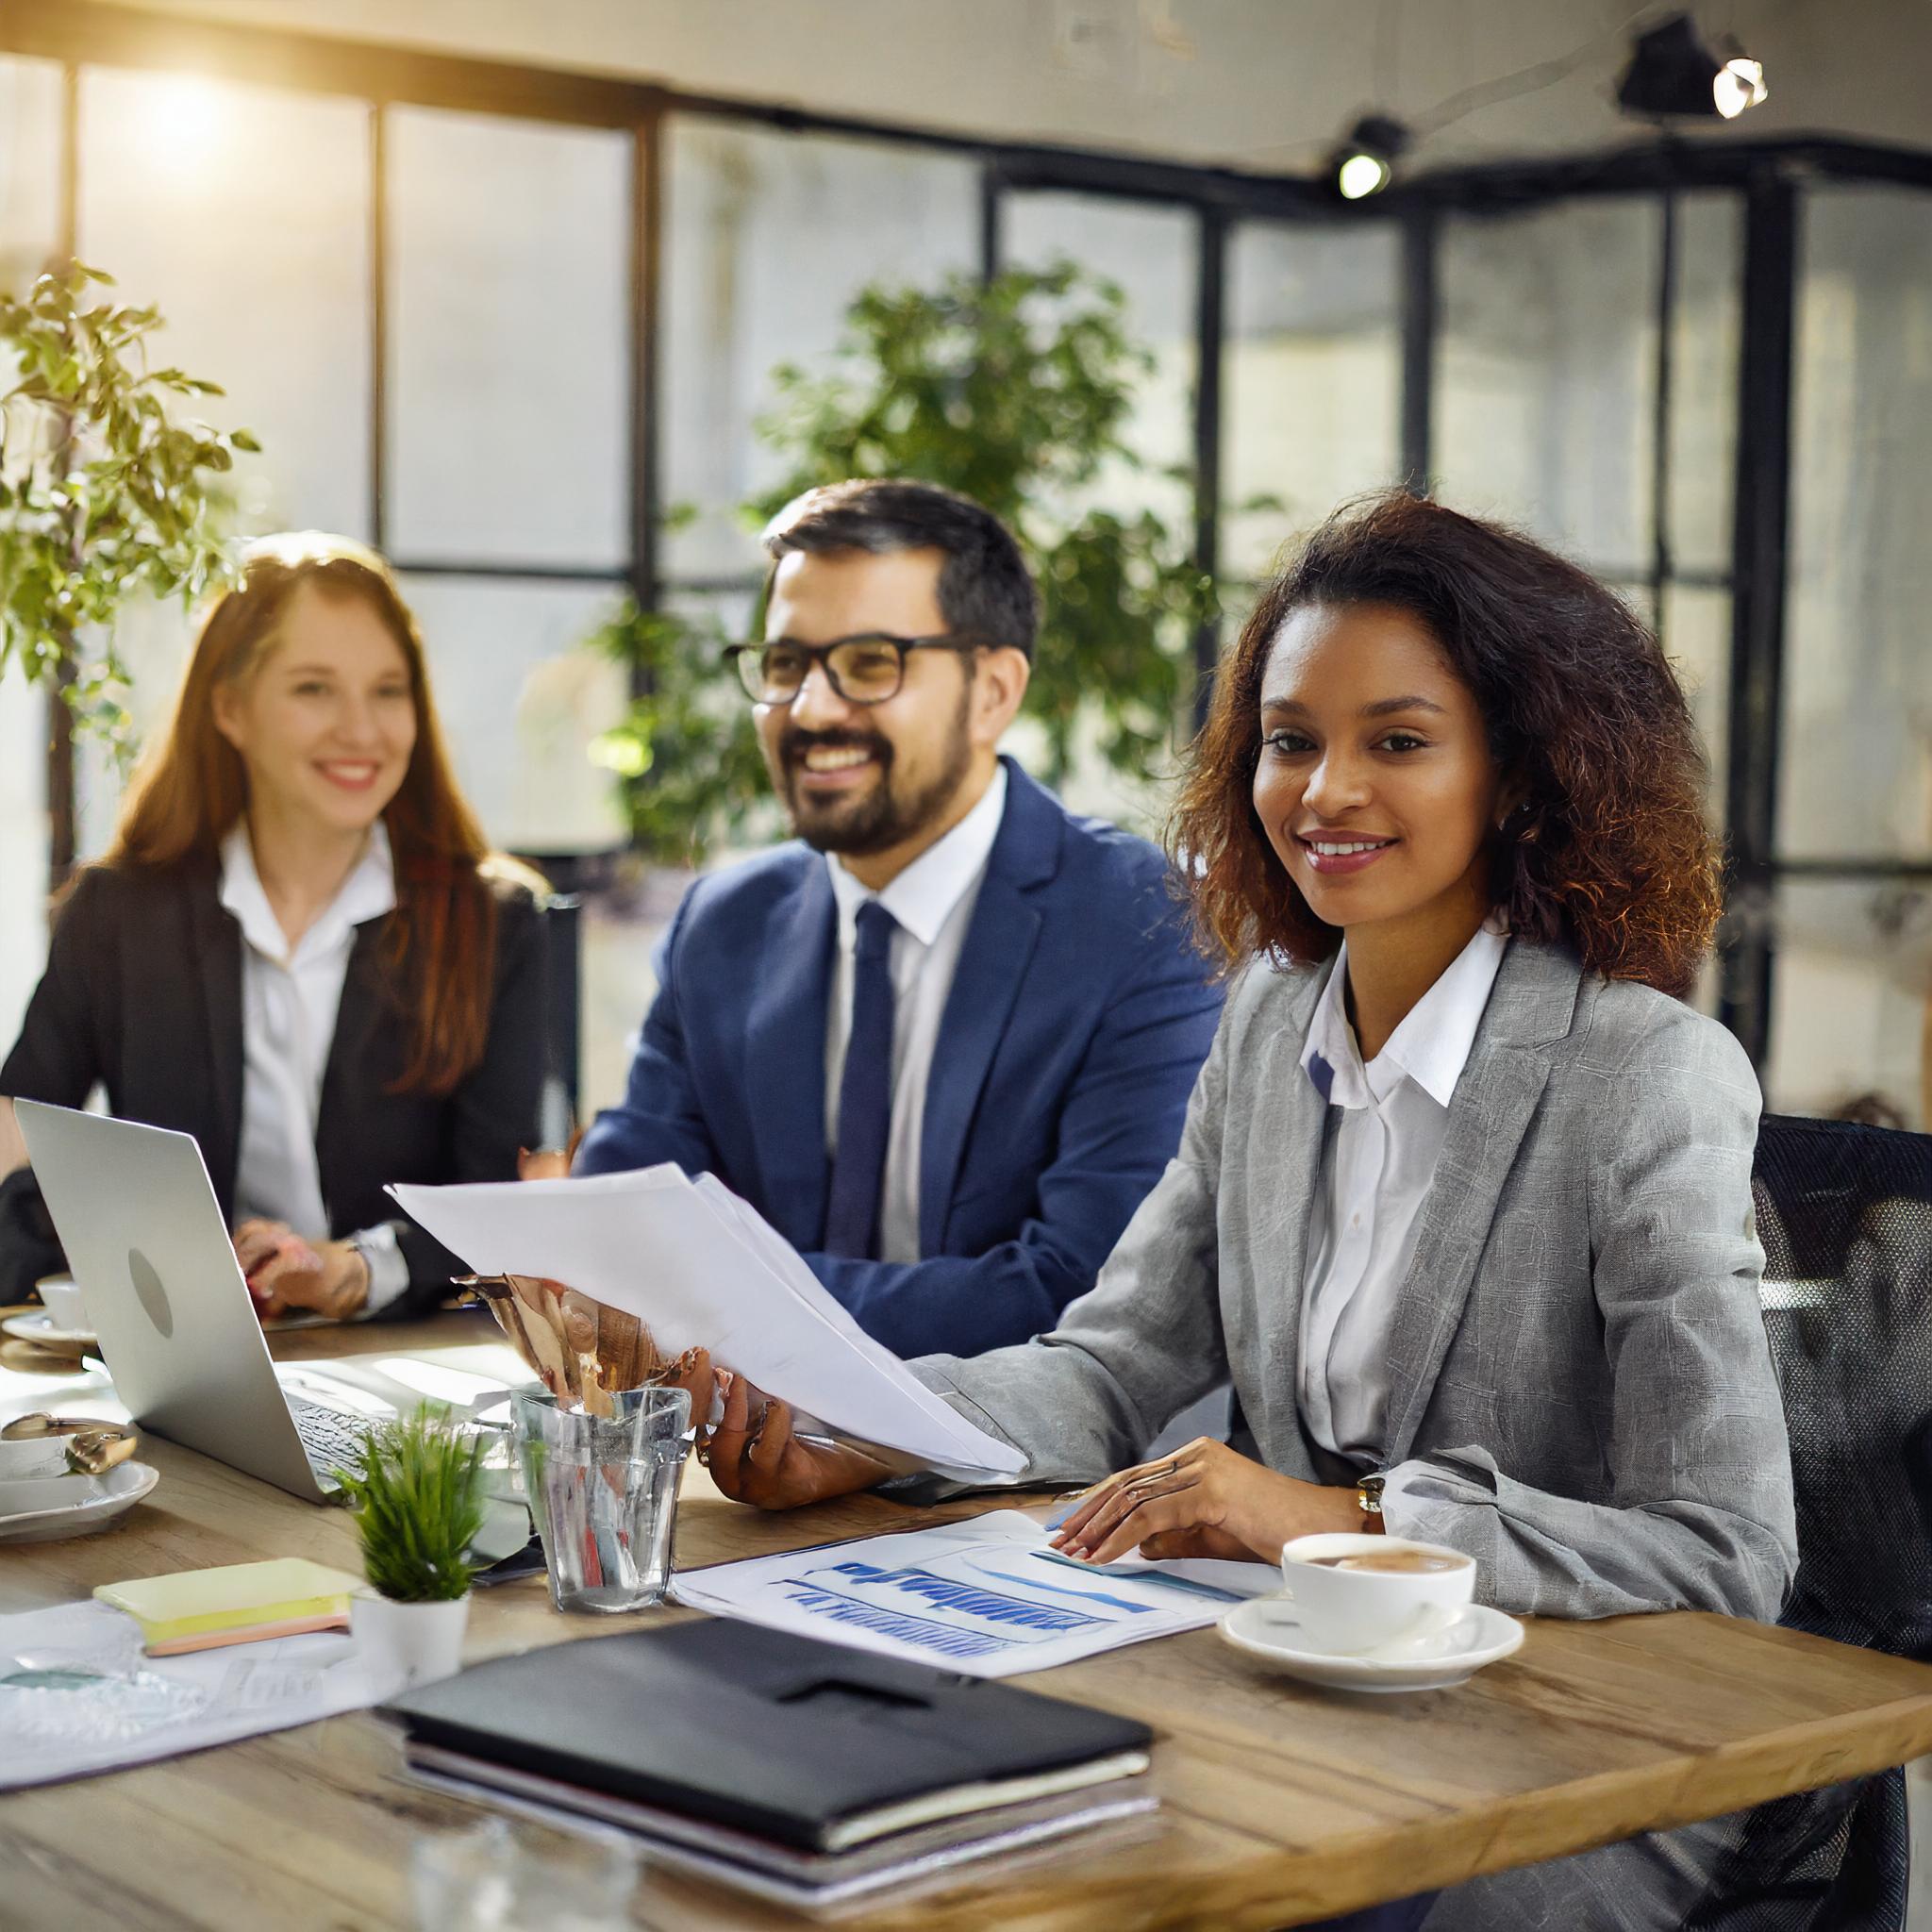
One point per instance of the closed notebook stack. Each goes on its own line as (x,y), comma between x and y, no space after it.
(237,1603)
(809,1775)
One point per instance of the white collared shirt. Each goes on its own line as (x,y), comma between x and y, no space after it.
(290,999)
(932,902)
(1386,1129)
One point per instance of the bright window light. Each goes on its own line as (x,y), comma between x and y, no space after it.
(183,123)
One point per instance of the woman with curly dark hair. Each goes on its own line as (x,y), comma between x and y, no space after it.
(1462,1207)
(1605,847)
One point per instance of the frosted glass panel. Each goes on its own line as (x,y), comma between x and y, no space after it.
(23,847)
(1704,381)
(1152,256)
(1856,774)
(521,701)
(1853,971)
(770,236)
(1312,378)
(29,170)
(244,213)
(510,412)
(1546,374)
(1696,632)
(152,640)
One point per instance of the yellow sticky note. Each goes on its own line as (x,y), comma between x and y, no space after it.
(190,1603)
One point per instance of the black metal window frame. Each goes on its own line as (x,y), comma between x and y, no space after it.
(1766,176)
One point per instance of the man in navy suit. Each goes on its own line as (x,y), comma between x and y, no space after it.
(944,1042)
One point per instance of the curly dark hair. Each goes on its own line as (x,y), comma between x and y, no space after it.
(1608,853)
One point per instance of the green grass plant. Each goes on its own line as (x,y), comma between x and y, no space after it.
(419,1504)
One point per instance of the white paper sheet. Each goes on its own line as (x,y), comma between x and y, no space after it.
(982,1597)
(147,1708)
(700,1269)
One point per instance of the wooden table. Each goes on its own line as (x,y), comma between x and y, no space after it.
(1283,1803)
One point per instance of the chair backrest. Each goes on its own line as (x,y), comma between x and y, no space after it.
(1845,1215)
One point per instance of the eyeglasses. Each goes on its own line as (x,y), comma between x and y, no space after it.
(864,670)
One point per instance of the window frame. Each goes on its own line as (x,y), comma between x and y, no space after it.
(1766,177)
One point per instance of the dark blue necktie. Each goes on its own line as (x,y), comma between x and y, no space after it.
(865,1093)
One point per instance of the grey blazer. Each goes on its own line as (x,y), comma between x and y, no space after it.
(1582,1397)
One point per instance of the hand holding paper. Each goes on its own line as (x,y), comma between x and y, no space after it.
(759,1456)
(746,1438)
(700,1269)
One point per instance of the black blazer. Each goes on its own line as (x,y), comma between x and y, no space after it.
(143,993)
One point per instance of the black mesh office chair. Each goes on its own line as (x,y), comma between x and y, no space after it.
(1845,1215)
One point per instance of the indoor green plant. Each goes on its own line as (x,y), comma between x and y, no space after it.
(418,1505)
(107,491)
(687,755)
(1019,393)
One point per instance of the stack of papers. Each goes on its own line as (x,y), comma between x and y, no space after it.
(701,1269)
(77,1696)
(897,1865)
(988,1598)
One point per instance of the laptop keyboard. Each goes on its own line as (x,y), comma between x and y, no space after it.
(332,1436)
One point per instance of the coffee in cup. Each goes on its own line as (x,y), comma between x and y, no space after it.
(1402,1561)
(1354,1595)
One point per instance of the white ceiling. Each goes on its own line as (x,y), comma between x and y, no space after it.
(1263,84)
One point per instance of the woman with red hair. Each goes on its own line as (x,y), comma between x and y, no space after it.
(299,949)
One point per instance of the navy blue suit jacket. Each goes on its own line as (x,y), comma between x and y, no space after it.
(1078,1018)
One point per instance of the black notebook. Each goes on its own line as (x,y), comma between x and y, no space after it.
(805,1743)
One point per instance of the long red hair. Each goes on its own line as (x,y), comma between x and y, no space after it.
(439,951)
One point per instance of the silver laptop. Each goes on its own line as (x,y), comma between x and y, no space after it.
(146,1243)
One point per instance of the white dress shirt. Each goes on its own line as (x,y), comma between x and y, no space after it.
(290,998)
(932,902)
(1386,1128)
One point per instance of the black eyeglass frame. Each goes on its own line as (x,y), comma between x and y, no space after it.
(745,660)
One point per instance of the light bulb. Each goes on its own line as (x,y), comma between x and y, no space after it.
(1739,84)
(1360,175)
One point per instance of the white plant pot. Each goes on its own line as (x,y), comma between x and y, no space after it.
(412,1643)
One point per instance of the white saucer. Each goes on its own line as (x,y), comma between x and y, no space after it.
(59,1510)
(1266,1628)
(41,1330)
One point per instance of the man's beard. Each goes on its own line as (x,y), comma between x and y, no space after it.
(879,820)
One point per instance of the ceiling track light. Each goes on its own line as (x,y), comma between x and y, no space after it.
(1739,84)
(1673,75)
(1364,163)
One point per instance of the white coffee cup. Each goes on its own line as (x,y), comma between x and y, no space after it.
(1352,1611)
(60,1296)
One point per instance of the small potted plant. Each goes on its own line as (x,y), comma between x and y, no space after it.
(418,1501)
